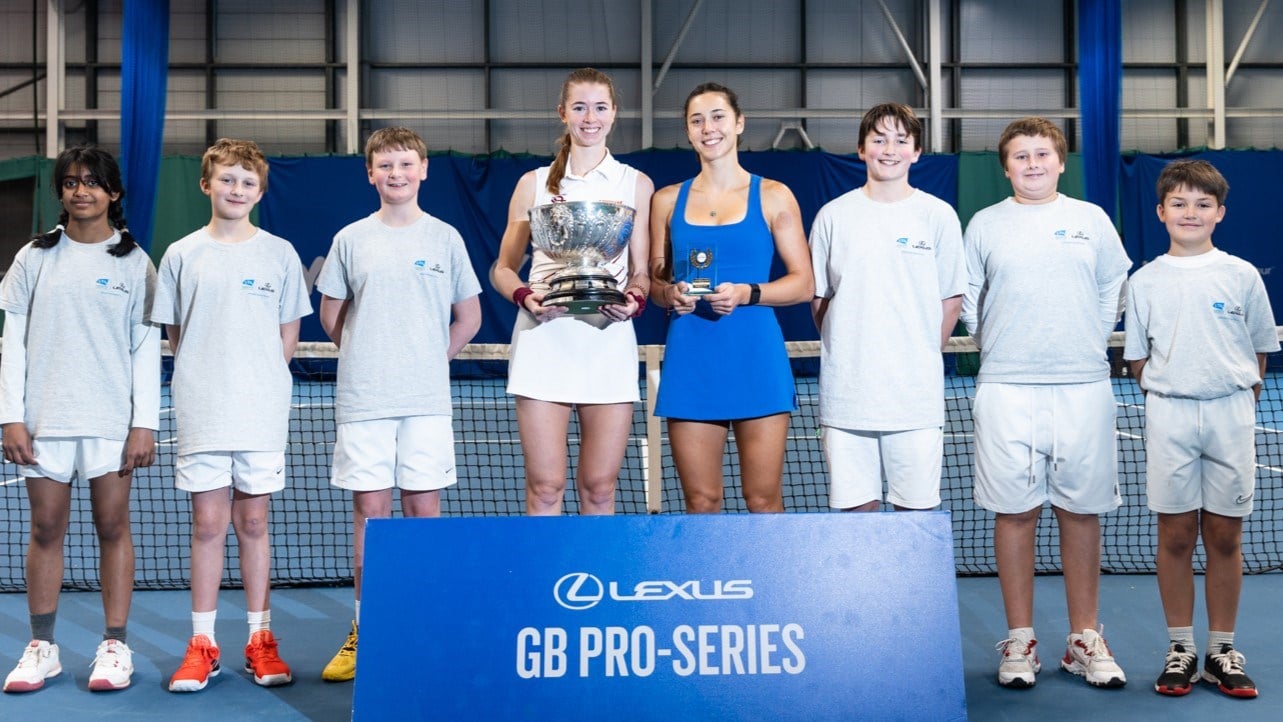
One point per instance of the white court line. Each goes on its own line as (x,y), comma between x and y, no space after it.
(8,482)
(1126,435)
(1274,469)
(1268,430)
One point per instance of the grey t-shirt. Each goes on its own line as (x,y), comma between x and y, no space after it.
(81,303)
(1044,290)
(1200,321)
(401,282)
(231,386)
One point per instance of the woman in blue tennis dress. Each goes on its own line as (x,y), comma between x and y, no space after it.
(713,239)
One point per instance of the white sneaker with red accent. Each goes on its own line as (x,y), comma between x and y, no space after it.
(1087,656)
(1019,665)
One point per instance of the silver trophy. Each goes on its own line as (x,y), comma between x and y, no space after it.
(583,235)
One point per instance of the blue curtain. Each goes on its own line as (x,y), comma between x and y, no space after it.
(144,68)
(1100,82)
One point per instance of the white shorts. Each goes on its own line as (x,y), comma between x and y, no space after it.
(1046,442)
(249,472)
(1201,454)
(859,461)
(414,453)
(70,457)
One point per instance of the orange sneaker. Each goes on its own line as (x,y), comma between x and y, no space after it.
(199,664)
(262,660)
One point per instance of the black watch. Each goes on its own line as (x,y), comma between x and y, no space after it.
(754,294)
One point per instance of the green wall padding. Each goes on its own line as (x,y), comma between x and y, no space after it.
(982,183)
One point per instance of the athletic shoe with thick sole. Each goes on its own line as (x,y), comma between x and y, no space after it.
(1224,668)
(39,662)
(200,663)
(1180,672)
(1087,656)
(1019,665)
(342,668)
(264,662)
(112,668)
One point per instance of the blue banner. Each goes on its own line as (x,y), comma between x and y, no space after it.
(767,616)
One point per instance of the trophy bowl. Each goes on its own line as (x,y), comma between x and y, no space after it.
(584,235)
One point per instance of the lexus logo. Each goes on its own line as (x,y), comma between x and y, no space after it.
(578,590)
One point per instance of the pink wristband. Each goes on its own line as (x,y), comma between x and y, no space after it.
(641,302)
(520,295)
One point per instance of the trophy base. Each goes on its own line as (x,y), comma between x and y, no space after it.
(582,293)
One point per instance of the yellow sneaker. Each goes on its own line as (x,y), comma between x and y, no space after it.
(343,667)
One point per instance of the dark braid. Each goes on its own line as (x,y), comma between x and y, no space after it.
(50,239)
(116,214)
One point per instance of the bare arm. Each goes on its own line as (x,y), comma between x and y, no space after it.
(289,338)
(798,282)
(819,307)
(638,254)
(333,314)
(174,334)
(662,290)
(512,251)
(952,308)
(466,323)
(1137,369)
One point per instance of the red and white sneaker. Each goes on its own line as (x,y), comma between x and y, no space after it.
(199,664)
(39,662)
(1087,656)
(263,661)
(113,666)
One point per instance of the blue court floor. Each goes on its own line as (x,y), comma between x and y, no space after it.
(311,623)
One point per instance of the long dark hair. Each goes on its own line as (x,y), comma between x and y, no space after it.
(99,164)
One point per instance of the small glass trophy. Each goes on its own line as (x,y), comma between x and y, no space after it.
(699,271)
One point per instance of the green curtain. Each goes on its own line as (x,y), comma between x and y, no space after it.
(982,183)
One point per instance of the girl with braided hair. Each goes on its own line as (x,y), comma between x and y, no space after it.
(79,399)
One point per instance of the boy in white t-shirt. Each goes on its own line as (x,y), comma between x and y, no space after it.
(1045,283)
(399,298)
(1199,325)
(889,280)
(230,296)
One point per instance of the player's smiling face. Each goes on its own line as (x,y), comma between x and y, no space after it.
(233,191)
(588,113)
(888,151)
(1190,216)
(1034,166)
(396,175)
(712,126)
(83,196)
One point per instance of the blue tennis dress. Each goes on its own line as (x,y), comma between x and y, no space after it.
(719,368)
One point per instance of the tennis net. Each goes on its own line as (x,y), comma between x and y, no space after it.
(311,521)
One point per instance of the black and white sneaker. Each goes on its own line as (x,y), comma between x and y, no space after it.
(1224,669)
(1179,673)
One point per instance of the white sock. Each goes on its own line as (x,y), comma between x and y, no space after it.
(1183,636)
(1216,639)
(203,623)
(357,618)
(259,621)
(1024,634)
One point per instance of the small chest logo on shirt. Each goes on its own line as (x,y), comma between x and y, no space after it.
(257,288)
(909,245)
(1076,237)
(1227,310)
(111,288)
(423,269)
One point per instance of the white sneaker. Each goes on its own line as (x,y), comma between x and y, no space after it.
(1019,663)
(1087,656)
(113,666)
(39,662)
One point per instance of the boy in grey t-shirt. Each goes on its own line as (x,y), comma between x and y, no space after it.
(1199,325)
(399,298)
(231,296)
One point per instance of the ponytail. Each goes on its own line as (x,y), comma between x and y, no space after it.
(51,238)
(116,214)
(557,170)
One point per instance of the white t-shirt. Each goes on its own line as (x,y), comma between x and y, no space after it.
(1200,320)
(885,268)
(81,305)
(232,387)
(402,283)
(1044,290)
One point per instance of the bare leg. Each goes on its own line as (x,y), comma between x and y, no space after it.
(421,504)
(761,444)
(249,517)
(365,505)
(603,439)
(543,425)
(1223,542)
(109,496)
(698,447)
(211,513)
(50,514)
(1013,547)
(1177,536)
(1080,558)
